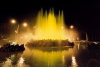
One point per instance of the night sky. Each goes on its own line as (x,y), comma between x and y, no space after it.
(84,14)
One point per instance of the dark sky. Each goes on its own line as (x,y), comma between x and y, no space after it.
(84,14)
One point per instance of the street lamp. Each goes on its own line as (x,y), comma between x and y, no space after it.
(13,21)
(25,24)
(71,32)
(71,27)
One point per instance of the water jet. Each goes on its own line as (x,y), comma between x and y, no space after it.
(50,30)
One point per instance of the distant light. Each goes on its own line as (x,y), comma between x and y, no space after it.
(71,26)
(13,21)
(14,43)
(21,60)
(95,42)
(25,24)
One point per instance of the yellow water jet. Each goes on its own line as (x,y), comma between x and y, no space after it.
(50,27)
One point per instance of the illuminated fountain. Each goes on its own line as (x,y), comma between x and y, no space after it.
(50,27)
(50,30)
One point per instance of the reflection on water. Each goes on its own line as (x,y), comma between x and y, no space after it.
(74,63)
(79,56)
(37,57)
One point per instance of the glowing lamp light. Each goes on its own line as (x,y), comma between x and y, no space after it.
(25,24)
(13,21)
(71,26)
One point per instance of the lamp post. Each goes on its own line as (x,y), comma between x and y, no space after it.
(13,21)
(71,33)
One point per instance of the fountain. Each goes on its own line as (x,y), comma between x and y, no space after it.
(50,27)
(50,30)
